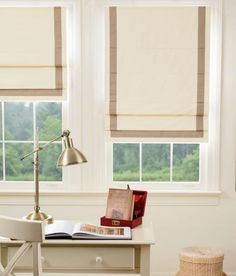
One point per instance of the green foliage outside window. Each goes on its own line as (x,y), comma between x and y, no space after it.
(126,162)
(48,120)
(185,162)
(18,121)
(155,162)
(17,170)
(21,119)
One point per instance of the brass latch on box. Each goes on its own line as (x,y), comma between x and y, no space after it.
(115,222)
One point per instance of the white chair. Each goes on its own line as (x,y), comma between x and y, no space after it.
(32,235)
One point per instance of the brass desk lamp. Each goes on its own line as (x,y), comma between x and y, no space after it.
(69,156)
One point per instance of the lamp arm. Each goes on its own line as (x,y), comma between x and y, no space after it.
(39,148)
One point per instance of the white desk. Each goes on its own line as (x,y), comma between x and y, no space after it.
(90,256)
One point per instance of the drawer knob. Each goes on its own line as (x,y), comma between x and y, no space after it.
(99,260)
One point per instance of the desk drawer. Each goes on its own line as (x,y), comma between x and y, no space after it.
(107,258)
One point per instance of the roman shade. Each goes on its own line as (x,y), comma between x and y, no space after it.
(32,51)
(157,72)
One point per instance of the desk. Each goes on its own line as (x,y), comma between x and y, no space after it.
(90,256)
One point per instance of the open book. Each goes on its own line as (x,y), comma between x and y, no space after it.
(70,230)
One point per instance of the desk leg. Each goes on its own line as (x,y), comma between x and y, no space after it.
(145,260)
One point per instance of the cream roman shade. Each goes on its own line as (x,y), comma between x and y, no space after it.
(32,51)
(157,72)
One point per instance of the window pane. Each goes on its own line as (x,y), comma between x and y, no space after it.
(126,162)
(185,162)
(155,162)
(1,163)
(19,121)
(17,170)
(49,120)
(48,170)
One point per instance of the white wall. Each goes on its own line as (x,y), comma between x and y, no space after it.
(177,222)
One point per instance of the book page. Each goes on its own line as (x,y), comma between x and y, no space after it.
(99,230)
(119,204)
(94,231)
(58,228)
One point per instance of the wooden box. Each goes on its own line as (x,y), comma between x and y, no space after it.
(138,212)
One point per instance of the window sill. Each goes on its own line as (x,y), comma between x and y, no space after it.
(182,198)
(191,193)
(70,198)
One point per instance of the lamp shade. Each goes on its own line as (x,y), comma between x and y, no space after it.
(70,155)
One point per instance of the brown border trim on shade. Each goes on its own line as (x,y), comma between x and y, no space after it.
(201,67)
(113,66)
(30,92)
(156,134)
(199,132)
(58,48)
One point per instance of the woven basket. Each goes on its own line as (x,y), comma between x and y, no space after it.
(201,261)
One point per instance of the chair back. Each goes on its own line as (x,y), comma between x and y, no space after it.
(31,233)
(19,229)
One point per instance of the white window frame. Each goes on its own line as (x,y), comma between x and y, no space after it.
(71,103)
(209,152)
(162,185)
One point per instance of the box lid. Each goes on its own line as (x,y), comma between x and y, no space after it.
(139,203)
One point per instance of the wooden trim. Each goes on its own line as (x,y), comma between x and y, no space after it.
(201,68)
(58,48)
(31,92)
(113,66)
(156,134)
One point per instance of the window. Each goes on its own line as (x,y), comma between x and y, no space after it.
(20,120)
(155,137)
(38,90)
(151,162)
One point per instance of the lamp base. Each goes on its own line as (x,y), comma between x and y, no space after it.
(39,216)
